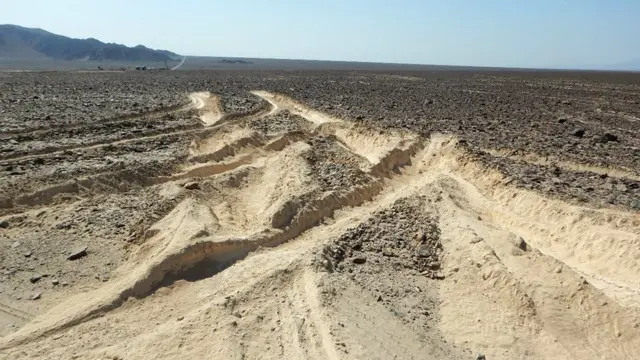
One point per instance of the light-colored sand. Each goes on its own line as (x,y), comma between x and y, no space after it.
(231,272)
(209,105)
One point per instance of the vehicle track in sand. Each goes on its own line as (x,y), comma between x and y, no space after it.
(252,263)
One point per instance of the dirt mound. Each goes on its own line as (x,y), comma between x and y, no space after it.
(284,232)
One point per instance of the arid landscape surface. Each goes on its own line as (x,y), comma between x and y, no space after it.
(319,215)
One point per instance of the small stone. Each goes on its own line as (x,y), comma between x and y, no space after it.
(608,137)
(481,357)
(180,318)
(55,281)
(15,244)
(78,253)
(578,133)
(64,283)
(388,252)
(558,270)
(4,224)
(27,254)
(359,260)
(36,296)
(476,240)
(192,185)
(618,333)
(34,279)
(379,298)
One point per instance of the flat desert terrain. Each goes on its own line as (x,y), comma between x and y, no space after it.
(319,215)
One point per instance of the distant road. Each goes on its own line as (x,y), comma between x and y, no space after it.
(181,62)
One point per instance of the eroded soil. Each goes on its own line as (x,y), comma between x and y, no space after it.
(325,216)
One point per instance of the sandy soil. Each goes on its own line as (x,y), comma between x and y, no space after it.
(306,236)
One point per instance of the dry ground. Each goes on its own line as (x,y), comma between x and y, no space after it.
(253,222)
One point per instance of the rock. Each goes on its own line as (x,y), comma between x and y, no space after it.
(621,187)
(4,224)
(519,242)
(635,204)
(476,240)
(180,318)
(192,185)
(359,260)
(64,283)
(27,254)
(388,252)
(55,282)
(608,137)
(558,270)
(36,296)
(77,253)
(578,133)
(481,357)
(424,251)
(34,279)
(15,244)
(562,120)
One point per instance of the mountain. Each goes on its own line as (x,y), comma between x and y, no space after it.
(20,43)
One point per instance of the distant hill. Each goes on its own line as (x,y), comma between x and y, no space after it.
(20,43)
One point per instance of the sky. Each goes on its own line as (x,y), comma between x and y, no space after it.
(503,33)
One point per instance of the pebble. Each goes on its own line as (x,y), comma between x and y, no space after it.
(388,252)
(36,296)
(77,253)
(4,224)
(578,133)
(55,281)
(192,185)
(359,260)
(34,279)
(476,240)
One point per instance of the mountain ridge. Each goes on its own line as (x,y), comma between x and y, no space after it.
(22,43)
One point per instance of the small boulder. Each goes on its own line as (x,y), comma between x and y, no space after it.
(192,185)
(578,133)
(4,224)
(608,137)
(359,260)
(388,252)
(34,279)
(77,253)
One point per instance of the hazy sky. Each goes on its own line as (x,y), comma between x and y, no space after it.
(527,33)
